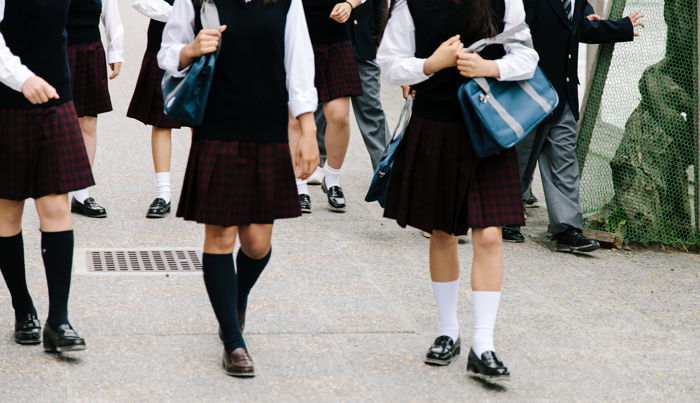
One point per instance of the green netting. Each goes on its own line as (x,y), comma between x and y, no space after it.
(638,140)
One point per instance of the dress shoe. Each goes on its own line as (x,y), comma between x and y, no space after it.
(336,198)
(443,351)
(88,208)
(27,329)
(316,178)
(62,339)
(531,202)
(238,363)
(305,203)
(513,235)
(159,209)
(573,240)
(488,366)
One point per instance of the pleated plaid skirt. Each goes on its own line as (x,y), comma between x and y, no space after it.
(232,183)
(437,182)
(147,102)
(88,69)
(42,152)
(336,71)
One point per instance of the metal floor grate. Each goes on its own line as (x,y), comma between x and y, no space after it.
(142,261)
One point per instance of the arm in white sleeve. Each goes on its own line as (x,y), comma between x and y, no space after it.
(396,55)
(158,10)
(114,29)
(12,72)
(520,61)
(179,32)
(299,62)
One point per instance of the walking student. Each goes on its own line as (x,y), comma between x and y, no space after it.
(557,29)
(240,175)
(337,79)
(438,185)
(147,104)
(43,157)
(88,67)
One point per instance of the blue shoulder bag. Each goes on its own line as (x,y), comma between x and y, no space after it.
(185,98)
(500,114)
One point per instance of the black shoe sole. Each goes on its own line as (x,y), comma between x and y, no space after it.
(473,372)
(237,374)
(577,249)
(305,210)
(443,363)
(337,209)
(155,215)
(49,347)
(514,240)
(28,342)
(79,211)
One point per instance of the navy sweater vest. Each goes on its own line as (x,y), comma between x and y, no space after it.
(155,33)
(84,21)
(322,29)
(35,32)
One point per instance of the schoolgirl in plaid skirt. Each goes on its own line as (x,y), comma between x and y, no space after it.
(147,104)
(42,156)
(337,79)
(88,66)
(438,185)
(240,175)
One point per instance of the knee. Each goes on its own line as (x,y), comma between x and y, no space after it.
(338,116)
(442,239)
(488,238)
(55,211)
(256,248)
(221,241)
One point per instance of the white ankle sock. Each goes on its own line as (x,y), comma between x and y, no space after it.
(485,312)
(302,187)
(163,186)
(332,175)
(81,195)
(446,295)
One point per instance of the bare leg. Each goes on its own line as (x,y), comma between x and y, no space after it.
(219,240)
(337,114)
(444,262)
(10,217)
(54,213)
(487,265)
(161,148)
(88,125)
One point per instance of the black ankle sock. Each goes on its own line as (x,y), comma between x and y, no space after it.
(12,267)
(249,270)
(220,280)
(57,252)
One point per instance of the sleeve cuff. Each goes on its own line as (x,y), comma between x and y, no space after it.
(304,103)
(115,57)
(173,56)
(22,76)
(504,70)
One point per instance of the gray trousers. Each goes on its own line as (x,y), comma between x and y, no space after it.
(553,145)
(368,114)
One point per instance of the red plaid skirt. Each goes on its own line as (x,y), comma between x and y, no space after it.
(336,71)
(231,183)
(42,152)
(88,67)
(437,182)
(147,103)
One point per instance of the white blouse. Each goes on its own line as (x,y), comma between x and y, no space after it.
(396,55)
(114,29)
(298,52)
(158,10)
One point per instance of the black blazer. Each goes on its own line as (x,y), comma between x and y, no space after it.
(556,40)
(365,25)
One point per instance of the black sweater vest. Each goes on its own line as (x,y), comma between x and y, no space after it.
(435,22)
(248,98)
(155,33)
(35,32)
(84,21)
(322,29)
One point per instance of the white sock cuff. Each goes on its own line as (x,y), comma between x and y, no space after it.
(446,299)
(302,187)
(82,194)
(330,170)
(162,177)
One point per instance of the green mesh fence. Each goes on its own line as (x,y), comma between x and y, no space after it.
(638,139)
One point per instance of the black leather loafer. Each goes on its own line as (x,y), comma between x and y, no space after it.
(488,366)
(89,208)
(62,339)
(443,351)
(239,363)
(512,235)
(28,329)
(336,198)
(159,209)
(305,203)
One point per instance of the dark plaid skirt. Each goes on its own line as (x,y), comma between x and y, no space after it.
(336,71)
(42,152)
(88,68)
(147,103)
(437,182)
(231,183)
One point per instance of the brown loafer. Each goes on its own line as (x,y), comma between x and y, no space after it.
(239,363)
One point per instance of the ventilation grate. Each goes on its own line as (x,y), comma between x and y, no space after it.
(142,261)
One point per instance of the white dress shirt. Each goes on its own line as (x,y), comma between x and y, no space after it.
(298,52)
(12,72)
(114,29)
(158,10)
(396,55)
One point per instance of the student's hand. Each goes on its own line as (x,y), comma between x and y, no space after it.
(207,41)
(116,69)
(341,12)
(472,65)
(37,91)
(407,91)
(306,155)
(444,57)
(635,18)
(594,17)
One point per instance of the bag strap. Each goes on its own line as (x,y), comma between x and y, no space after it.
(209,16)
(503,38)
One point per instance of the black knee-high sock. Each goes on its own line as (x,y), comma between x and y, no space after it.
(249,270)
(57,252)
(12,267)
(220,280)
